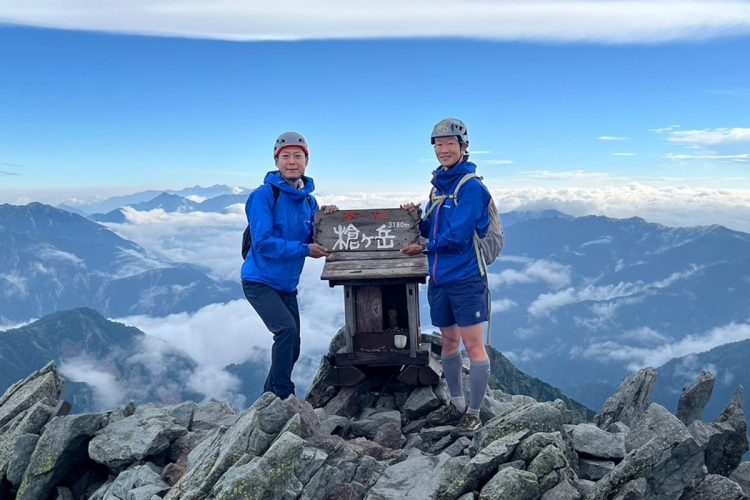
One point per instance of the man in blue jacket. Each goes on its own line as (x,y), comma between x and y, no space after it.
(280,215)
(457,291)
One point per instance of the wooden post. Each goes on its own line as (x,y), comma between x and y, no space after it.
(412,306)
(351,321)
(369,304)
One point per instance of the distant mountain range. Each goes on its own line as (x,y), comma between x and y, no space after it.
(172,203)
(198,194)
(52,260)
(579,302)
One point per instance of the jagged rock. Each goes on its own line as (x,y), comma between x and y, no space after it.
(483,465)
(20,458)
(715,487)
(211,415)
(491,408)
(60,448)
(457,447)
(148,432)
(694,398)
(371,421)
(250,435)
(563,491)
(420,402)
(173,472)
(144,478)
(389,435)
(64,494)
(522,400)
(630,401)
(368,471)
(29,421)
(349,401)
(725,449)
(271,476)
(590,440)
(637,489)
(616,427)
(538,417)
(662,453)
(431,435)
(741,476)
(183,413)
(309,422)
(535,443)
(41,386)
(511,484)
(594,470)
(331,424)
(417,478)
(547,467)
(321,393)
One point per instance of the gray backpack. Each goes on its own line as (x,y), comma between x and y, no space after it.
(488,248)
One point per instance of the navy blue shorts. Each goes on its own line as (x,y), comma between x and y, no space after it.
(463,303)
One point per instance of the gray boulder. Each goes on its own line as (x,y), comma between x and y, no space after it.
(29,421)
(144,478)
(563,491)
(420,402)
(590,440)
(146,433)
(695,397)
(20,458)
(42,386)
(483,465)
(417,478)
(61,447)
(511,484)
(537,417)
(274,475)
(550,467)
(369,425)
(725,449)
(630,401)
(594,470)
(741,476)
(662,455)
(209,416)
(250,436)
(715,487)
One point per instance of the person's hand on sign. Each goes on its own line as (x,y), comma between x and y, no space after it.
(317,251)
(329,209)
(410,207)
(413,249)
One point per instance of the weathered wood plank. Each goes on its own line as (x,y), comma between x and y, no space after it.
(382,255)
(376,264)
(350,317)
(368,230)
(369,303)
(368,274)
(412,305)
(386,358)
(344,376)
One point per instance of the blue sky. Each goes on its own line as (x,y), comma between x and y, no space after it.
(574,104)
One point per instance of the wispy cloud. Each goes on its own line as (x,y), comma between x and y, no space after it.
(497,162)
(611,138)
(657,355)
(610,21)
(540,271)
(623,154)
(683,157)
(710,137)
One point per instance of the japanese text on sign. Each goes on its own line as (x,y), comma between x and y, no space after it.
(351,238)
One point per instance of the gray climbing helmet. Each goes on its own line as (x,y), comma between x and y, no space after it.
(449,127)
(289,139)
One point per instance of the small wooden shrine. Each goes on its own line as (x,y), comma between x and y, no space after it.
(381,294)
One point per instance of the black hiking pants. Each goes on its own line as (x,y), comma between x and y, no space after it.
(280,313)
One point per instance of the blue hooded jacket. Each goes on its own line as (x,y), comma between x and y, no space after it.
(450,227)
(281,231)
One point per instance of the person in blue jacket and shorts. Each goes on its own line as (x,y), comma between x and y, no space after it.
(280,217)
(457,289)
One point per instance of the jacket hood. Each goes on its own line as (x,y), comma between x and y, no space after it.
(274,177)
(444,180)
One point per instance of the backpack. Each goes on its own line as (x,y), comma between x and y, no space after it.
(488,248)
(247,235)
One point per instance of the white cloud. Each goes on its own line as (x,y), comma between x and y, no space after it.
(611,138)
(554,274)
(497,162)
(683,157)
(107,391)
(624,154)
(15,284)
(545,303)
(612,21)
(710,137)
(502,305)
(657,355)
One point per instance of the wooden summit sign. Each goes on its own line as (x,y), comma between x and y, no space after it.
(371,230)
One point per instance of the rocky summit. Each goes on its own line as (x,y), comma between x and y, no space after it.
(370,442)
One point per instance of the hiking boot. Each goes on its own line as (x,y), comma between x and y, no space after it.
(445,415)
(467,426)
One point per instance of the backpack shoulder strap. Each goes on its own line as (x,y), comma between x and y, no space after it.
(466,178)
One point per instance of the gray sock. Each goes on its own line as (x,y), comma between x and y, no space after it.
(452,367)
(479,377)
